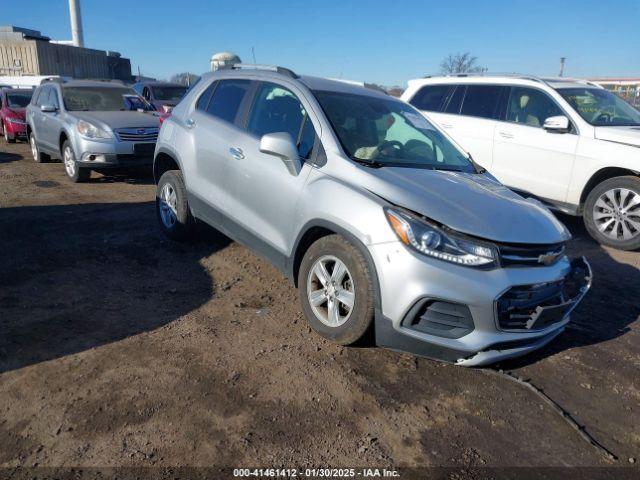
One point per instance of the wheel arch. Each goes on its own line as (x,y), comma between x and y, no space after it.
(315,230)
(164,161)
(602,175)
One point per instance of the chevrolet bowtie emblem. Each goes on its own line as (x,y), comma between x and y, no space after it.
(548,258)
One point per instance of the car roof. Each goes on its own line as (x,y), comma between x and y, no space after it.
(158,83)
(515,79)
(90,83)
(311,82)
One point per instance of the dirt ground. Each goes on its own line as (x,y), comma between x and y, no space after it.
(121,348)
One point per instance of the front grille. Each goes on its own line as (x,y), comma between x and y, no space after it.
(137,134)
(530,255)
(517,306)
(437,317)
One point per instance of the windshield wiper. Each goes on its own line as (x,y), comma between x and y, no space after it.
(369,162)
(478,168)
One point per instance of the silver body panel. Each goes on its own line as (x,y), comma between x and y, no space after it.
(49,127)
(258,196)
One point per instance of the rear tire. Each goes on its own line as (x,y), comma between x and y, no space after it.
(38,157)
(336,290)
(73,170)
(172,206)
(612,213)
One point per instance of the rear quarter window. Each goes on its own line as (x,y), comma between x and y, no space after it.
(227,98)
(431,97)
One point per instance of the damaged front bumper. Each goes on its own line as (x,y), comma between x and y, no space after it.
(538,324)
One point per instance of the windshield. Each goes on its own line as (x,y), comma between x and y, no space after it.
(102,99)
(18,99)
(600,107)
(389,132)
(169,93)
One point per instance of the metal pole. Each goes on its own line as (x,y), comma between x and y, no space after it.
(76,23)
(562,60)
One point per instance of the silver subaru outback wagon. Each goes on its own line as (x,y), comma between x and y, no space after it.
(380,220)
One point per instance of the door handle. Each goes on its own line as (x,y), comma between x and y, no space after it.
(505,134)
(236,153)
(190,122)
(446,125)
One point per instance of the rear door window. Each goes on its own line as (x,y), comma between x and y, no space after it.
(227,98)
(455,100)
(431,97)
(482,101)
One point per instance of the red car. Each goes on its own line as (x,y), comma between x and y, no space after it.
(13,102)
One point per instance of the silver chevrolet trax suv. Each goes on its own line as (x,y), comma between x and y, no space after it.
(91,125)
(380,220)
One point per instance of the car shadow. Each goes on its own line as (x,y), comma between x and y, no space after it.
(8,157)
(74,277)
(609,308)
(135,176)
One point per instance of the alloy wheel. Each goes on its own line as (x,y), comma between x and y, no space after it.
(34,147)
(69,162)
(168,205)
(330,291)
(617,214)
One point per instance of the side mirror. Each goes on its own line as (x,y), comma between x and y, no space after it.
(280,144)
(48,108)
(557,124)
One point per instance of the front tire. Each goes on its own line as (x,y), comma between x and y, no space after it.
(172,206)
(612,213)
(336,290)
(7,136)
(71,167)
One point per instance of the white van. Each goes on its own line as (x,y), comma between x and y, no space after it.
(570,143)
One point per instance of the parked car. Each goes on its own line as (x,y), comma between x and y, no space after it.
(13,102)
(570,143)
(374,214)
(91,125)
(162,95)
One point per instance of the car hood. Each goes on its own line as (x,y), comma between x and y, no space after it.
(626,135)
(128,119)
(475,204)
(20,112)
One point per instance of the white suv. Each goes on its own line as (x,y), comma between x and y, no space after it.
(570,143)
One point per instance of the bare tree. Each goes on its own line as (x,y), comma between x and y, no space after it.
(185,78)
(460,63)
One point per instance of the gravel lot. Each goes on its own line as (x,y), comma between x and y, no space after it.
(120,348)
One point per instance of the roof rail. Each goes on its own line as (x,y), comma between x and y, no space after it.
(255,66)
(533,78)
(52,80)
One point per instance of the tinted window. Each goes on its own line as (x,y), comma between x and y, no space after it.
(455,100)
(203,100)
(227,98)
(430,97)
(530,107)
(277,109)
(41,92)
(53,98)
(307,138)
(18,98)
(481,101)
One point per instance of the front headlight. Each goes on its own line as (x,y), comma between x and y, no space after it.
(89,130)
(430,240)
(15,120)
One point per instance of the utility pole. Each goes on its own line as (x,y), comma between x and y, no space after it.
(562,60)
